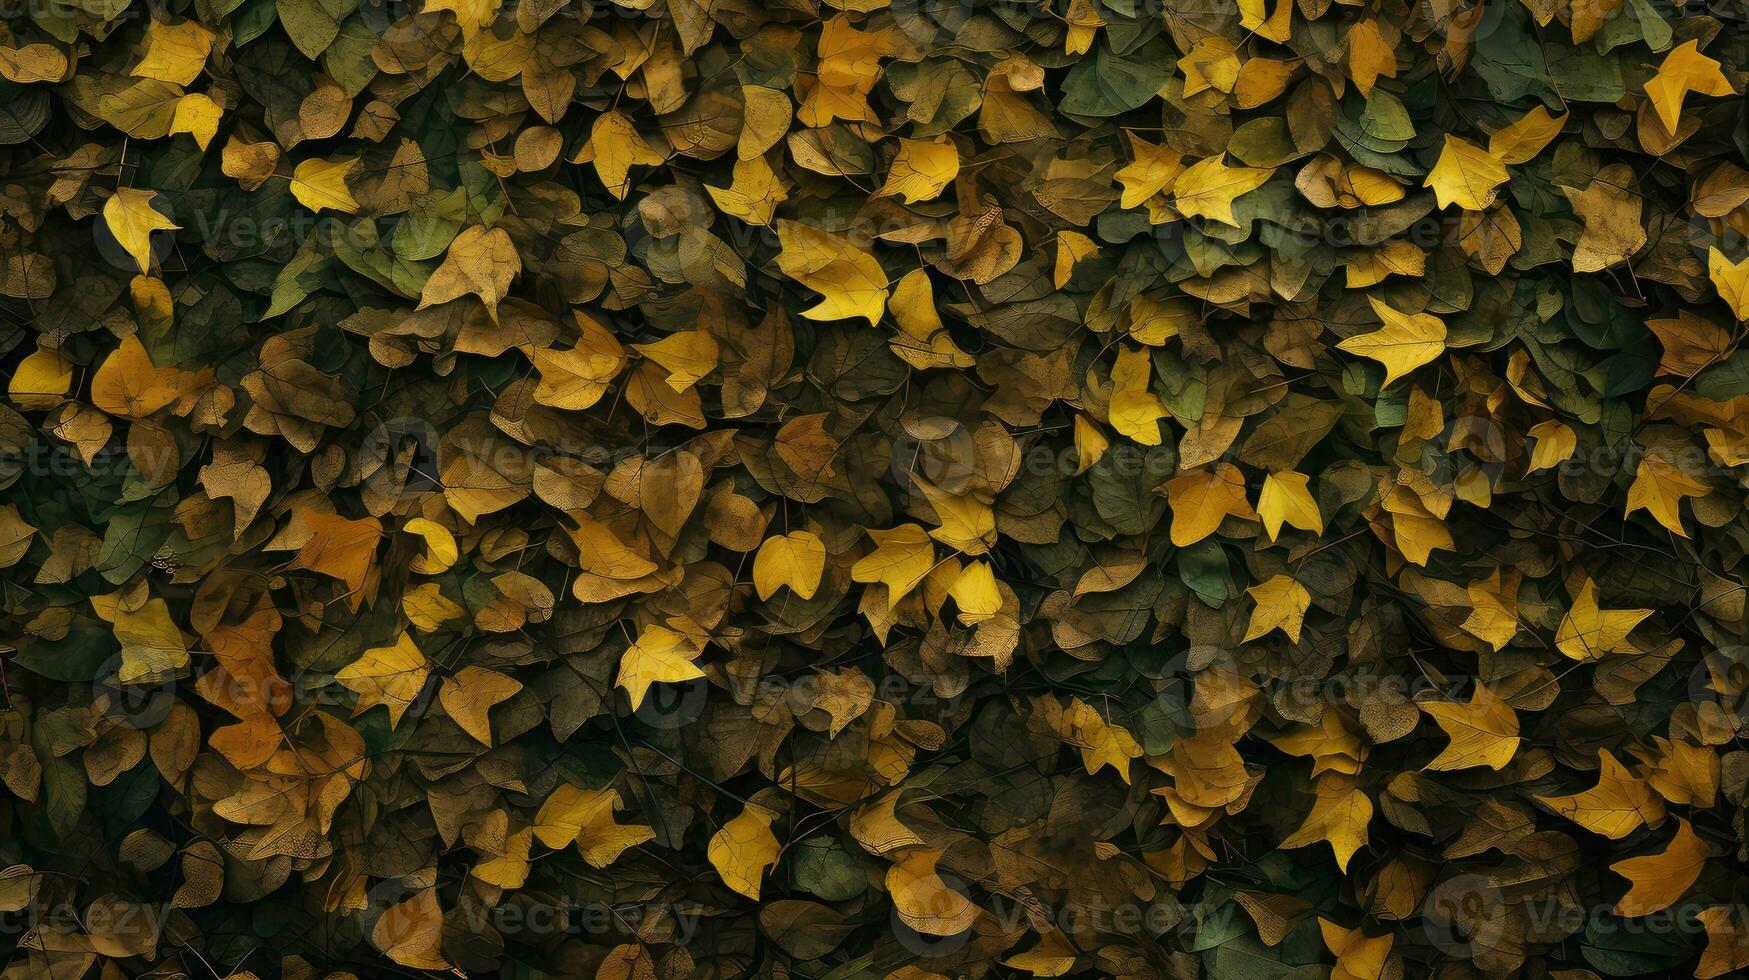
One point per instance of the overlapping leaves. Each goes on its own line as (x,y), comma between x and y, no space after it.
(874,489)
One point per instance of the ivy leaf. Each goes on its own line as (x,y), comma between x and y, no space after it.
(851,282)
(659,655)
(318,184)
(1406,341)
(391,676)
(1684,70)
(1466,175)
(132,219)
(744,848)
(1660,879)
(1483,732)
(796,560)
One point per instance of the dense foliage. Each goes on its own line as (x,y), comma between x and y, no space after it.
(882,488)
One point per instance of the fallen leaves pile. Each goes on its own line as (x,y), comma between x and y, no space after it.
(875,489)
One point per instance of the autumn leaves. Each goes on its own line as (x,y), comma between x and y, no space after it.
(850,471)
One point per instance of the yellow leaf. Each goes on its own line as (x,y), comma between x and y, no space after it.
(615,147)
(1281,604)
(468,697)
(849,67)
(1053,955)
(40,381)
(1494,616)
(1072,248)
(1083,21)
(1101,743)
(1727,942)
(968,523)
(198,116)
(152,649)
(31,63)
(1684,70)
(1152,171)
(974,592)
(764,120)
(1368,267)
(411,932)
(1369,55)
(1691,343)
(922,900)
(658,655)
(849,280)
(1262,80)
(1554,445)
(1483,732)
(1588,632)
(391,676)
(131,219)
(921,169)
(470,15)
(175,53)
(1332,744)
(796,559)
(480,262)
(506,867)
(687,354)
(1358,956)
(1659,486)
(1287,499)
(1466,175)
(1208,187)
(1340,815)
(427,608)
(1418,531)
(1619,804)
(129,386)
(440,547)
(1371,187)
(903,558)
(1154,321)
(1135,410)
(754,193)
(1404,343)
(1090,444)
(603,553)
(743,849)
(1525,137)
(1660,879)
(15,535)
(318,184)
(1731,279)
(1254,16)
(572,813)
(1610,210)
(1201,500)
(1211,63)
(575,379)
(249,164)
(340,548)
(923,342)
